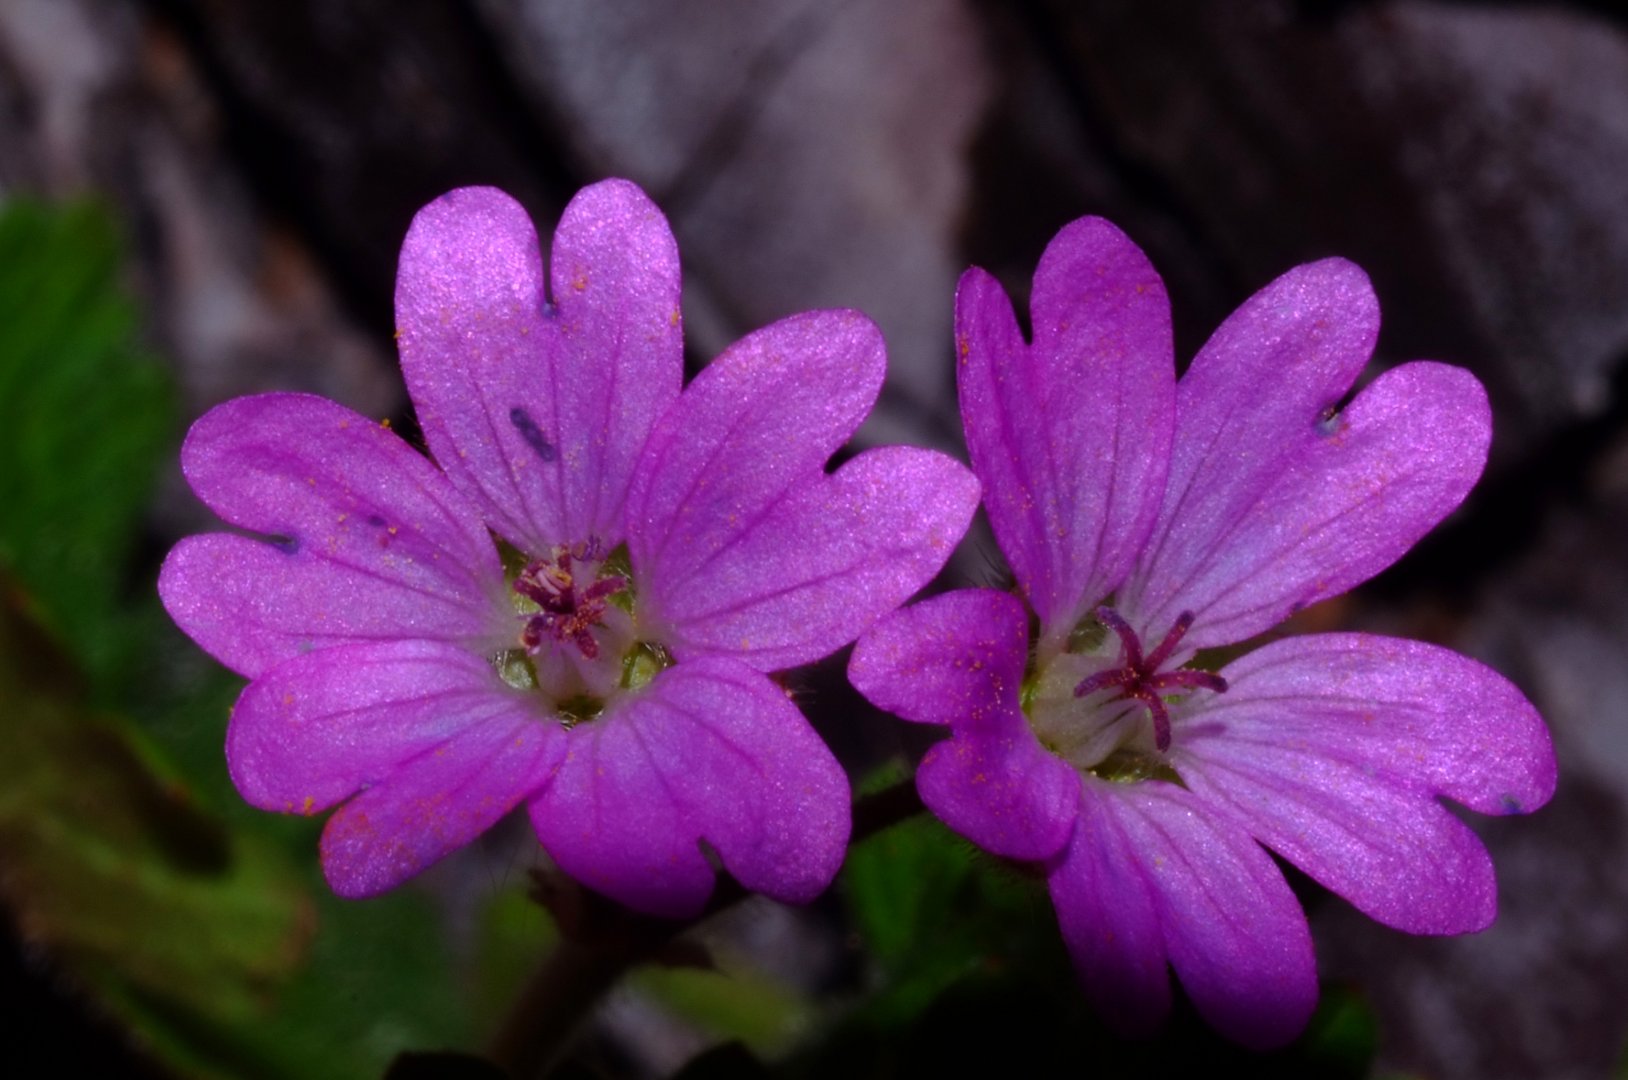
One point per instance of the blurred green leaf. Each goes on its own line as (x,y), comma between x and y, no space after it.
(933,910)
(132,862)
(970,975)
(110,865)
(85,417)
(730,1004)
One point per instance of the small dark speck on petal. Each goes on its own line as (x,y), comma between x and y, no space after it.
(528,429)
(376,521)
(1511,805)
(1328,422)
(288,545)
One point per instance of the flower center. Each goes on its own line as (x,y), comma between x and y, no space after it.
(579,646)
(569,608)
(1138,676)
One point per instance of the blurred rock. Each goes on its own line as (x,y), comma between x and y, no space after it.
(1469,156)
(809,155)
(108,102)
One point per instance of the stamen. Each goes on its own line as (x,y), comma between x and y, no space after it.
(567,615)
(1139,677)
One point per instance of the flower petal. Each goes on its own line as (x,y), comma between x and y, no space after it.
(954,659)
(1274,502)
(436,803)
(710,751)
(318,728)
(758,422)
(1002,791)
(1109,916)
(804,577)
(959,659)
(1070,435)
(1149,875)
(1332,749)
(538,410)
(373,542)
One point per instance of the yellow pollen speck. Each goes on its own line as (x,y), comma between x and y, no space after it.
(672,320)
(579,282)
(308,804)
(392,530)
(385,423)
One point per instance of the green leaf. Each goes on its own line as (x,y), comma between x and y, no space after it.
(111,865)
(934,910)
(732,1004)
(85,419)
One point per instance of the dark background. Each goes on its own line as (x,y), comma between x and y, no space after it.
(263,161)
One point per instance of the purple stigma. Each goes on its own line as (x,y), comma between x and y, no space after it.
(568,614)
(1138,677)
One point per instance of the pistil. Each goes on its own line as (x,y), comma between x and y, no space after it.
(1138,677)
(569,613)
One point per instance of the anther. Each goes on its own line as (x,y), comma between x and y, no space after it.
(568,614)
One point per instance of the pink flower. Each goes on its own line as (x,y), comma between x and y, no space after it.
(579,610)
(1146,521)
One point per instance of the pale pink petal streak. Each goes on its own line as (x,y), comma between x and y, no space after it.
(1070,435)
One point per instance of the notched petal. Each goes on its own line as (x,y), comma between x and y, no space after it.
(1276,502)
(757,423)
(536,407)
(812,571)
(1333,750)
(954,659)
(363,538)
(711,751)
(1070,435)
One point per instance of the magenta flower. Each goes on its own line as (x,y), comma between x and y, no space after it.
(581,611)
(1146,521)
